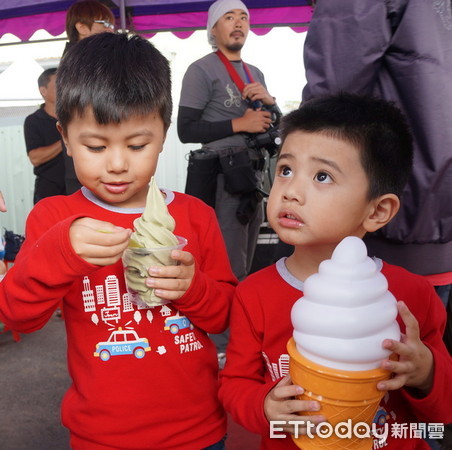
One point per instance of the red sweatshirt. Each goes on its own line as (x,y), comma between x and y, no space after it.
(142,378)
(257,356)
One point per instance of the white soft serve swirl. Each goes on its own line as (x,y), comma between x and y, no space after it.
(346,312)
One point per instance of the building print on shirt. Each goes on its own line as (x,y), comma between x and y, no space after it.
(106,305)
(233,100)
(279,369)
(108,294)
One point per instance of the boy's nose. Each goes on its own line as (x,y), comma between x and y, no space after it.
(294,192)
(117,161)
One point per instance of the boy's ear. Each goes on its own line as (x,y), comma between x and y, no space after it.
(63,137)
(384,208)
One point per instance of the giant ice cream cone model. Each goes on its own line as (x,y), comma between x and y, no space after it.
(336,350)
(150,244)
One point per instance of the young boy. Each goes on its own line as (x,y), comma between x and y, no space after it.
(114,108)
(340,172)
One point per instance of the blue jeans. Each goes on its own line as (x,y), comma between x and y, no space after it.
(218,446)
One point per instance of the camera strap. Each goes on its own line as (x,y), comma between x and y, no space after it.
(233,73)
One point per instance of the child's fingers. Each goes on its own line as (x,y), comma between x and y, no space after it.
(185,258)
(285,389)
(404,351)
(285,381)
(302,424)
(172,272)
(168,284)
(411,324)
(297,406)
(392,384)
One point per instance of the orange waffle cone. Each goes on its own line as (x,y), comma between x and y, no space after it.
(342,395)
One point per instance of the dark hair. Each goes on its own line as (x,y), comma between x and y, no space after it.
(117,75)
(375,126)
(44,78)
(86,12)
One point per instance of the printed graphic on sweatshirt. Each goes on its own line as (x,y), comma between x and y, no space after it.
(107,306)
(383,420)
(277,369)
(122,342)
(233,100)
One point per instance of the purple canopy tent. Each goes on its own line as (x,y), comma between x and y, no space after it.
(147,17)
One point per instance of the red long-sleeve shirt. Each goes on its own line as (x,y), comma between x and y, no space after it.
(142,378)
(257,356)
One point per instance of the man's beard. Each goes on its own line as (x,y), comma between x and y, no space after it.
(236,47)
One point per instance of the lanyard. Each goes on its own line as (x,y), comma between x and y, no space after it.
(233,73)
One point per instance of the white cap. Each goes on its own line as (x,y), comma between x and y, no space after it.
(219,9)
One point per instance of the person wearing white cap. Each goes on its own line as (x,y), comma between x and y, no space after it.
(225,105)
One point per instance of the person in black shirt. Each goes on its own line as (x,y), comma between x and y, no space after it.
(43,142)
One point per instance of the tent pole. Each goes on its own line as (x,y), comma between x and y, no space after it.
(122,15)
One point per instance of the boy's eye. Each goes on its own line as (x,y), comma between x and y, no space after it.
(95,149)
(285,171)
(323,177)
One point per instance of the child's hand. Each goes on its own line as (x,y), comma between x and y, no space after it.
(171,282)
(280,404)
(98,242)
(415,365)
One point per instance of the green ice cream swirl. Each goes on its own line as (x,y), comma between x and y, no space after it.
(155,227)
(153,230)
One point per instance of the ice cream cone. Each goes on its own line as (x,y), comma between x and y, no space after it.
(342,395)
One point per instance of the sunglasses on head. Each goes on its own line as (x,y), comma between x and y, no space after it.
(105,23)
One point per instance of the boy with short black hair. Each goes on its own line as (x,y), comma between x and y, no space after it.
(340,171)
(114,108)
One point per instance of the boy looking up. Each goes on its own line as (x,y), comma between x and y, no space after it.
(114,108)
(341,170)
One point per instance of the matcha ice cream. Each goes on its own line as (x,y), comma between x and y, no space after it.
(150,244)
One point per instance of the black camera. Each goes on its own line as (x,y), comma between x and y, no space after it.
(271,139)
